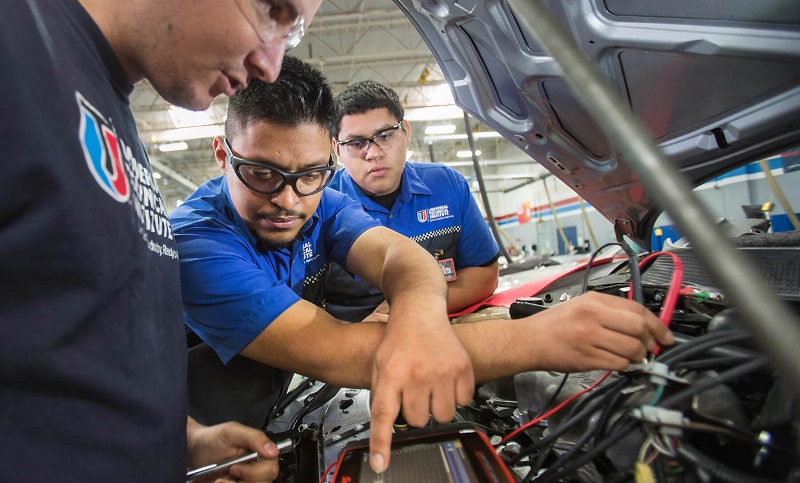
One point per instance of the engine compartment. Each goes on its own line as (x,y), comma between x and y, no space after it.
(709,408)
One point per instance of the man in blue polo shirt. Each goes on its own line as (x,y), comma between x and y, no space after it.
(254,245)
(429,203)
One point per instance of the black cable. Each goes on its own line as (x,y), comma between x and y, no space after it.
(564,458)
(710,363)
(616,400)
(737,371)
(701,344)
(624,429)
(717,351)
(625,425)
(636,278)
(552,400)
(567,424)
(595,394)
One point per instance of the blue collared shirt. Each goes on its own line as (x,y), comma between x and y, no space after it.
(231,290)
(436,209)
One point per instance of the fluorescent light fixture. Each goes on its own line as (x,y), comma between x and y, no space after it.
(434,113)
(455,137)
(185,133)
(179,146)
(467,153)
(185,118)
(441,129)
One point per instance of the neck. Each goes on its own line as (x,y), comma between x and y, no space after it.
(107,14)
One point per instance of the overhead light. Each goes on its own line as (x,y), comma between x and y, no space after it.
(434,113)
(467,153)
(198,132)
(441,129)
(454,137)
(185,118)
(179,146)
(156,175)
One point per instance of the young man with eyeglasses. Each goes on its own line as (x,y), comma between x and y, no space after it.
(427,202)
(255,243)
(93,372)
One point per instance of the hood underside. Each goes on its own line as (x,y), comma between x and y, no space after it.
(716,85)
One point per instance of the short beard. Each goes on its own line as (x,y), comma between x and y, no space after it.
(265,245)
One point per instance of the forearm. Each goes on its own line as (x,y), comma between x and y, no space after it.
(472,285)
(306,340)
(411,279)
(498,348)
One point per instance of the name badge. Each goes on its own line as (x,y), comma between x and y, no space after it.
(448,269)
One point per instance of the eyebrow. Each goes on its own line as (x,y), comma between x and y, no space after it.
(289,9)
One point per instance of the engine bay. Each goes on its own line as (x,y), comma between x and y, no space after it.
(708,408)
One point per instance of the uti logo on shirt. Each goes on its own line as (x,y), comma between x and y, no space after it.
(103,152)
(422,216)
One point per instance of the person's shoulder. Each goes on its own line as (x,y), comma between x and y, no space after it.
(333,201)
(341,181)
(436,172)
(206,203)
(431,168)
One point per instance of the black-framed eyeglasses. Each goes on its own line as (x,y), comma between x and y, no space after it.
(266,179)
(383,139)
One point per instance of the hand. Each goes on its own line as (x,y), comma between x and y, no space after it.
(425,371)
(222,442)
(380,314)
(596,331)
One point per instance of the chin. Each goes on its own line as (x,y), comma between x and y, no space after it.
(274,241)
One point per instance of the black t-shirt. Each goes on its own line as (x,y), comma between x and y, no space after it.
(93,365)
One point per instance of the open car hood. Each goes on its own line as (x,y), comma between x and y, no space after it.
(716,85)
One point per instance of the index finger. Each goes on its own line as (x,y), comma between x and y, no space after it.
(383,413)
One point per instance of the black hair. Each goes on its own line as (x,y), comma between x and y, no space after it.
(300,95)
(362,97)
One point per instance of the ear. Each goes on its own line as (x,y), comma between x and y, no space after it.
(407,129)
(219,154)
(335,147)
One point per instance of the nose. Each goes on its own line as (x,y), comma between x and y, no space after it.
(264,62)
(286,198)
(372,150)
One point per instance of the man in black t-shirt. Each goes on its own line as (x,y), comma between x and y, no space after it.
(93,369)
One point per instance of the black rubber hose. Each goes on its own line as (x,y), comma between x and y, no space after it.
(563,459)
(737,371)
(599,448)
(702,344)
(605,415)
(567,424)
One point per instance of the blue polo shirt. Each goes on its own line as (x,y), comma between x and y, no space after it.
(233,290)
(436,209)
